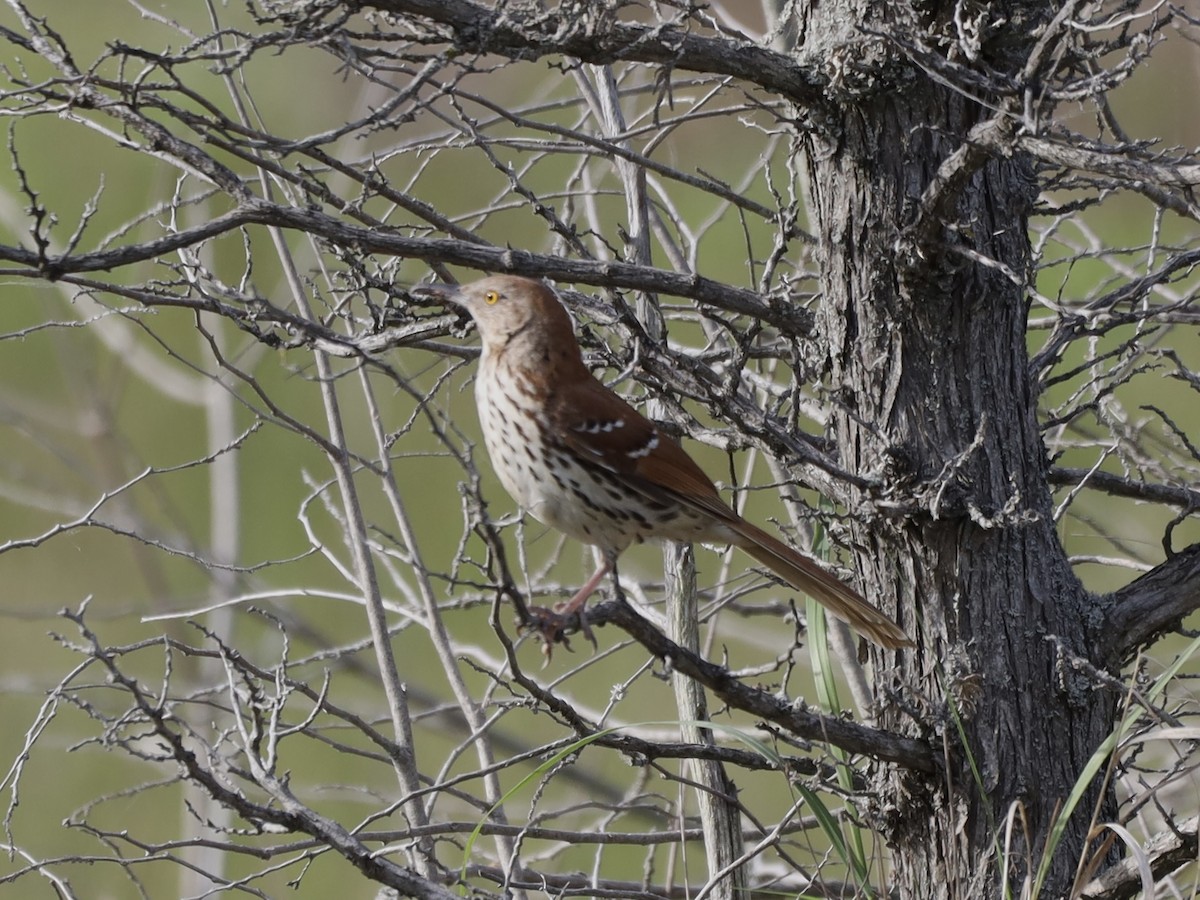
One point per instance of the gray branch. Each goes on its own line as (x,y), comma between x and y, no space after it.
(1153,604)
(519,34)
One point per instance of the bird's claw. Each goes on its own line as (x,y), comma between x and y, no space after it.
(576,615)
(554,625)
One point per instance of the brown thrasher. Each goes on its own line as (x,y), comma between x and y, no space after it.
(579,458)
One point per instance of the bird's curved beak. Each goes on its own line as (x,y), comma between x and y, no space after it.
(435,294)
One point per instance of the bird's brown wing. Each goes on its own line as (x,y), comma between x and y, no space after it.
(603,429)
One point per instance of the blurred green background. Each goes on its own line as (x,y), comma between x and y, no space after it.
(84,410)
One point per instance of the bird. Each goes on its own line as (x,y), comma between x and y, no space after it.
(579,458)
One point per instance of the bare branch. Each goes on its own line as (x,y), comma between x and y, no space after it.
(597,38)
(484,258)
(873,742)
(1179,496)
(1151,605)
(1167,852)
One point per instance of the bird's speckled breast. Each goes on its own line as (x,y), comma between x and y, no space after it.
(582,499)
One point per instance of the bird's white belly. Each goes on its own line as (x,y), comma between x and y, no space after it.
(549,482)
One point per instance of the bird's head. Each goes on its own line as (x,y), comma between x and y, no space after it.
(504,308)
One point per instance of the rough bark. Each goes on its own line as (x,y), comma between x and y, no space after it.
(929,369)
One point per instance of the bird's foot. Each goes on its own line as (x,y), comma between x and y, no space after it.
(575,614)
(554,625)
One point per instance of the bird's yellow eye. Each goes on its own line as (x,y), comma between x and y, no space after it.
(490,298)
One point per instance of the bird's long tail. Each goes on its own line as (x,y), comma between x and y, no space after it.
(805,575)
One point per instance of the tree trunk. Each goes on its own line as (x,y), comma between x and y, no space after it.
(928,364)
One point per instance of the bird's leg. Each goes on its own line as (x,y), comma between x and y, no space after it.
(575,606)
(618,593)
(576,603)
(552,624)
